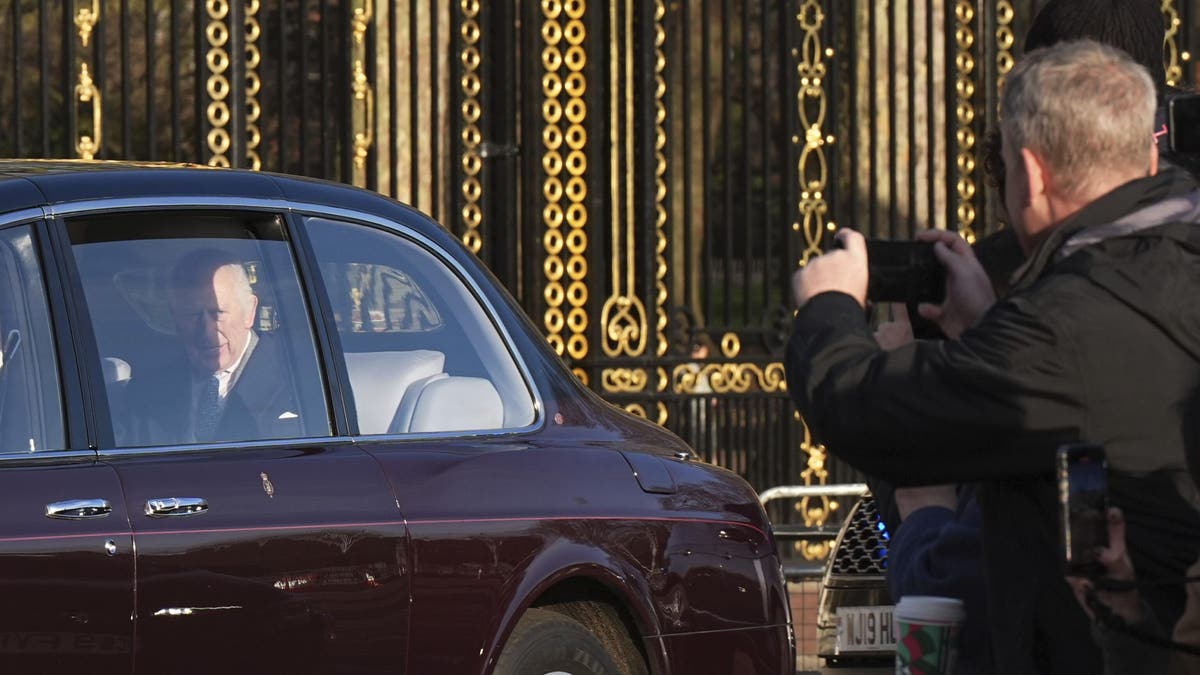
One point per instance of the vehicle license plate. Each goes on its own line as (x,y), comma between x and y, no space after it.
(865,629)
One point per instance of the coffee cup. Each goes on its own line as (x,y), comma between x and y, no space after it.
(927,630)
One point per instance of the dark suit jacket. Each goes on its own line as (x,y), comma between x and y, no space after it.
(261,404)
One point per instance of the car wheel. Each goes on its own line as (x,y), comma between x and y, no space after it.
(549,643)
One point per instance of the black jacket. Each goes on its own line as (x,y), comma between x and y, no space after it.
(1099,340)
(261,405)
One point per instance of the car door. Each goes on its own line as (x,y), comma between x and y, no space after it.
(66,551)
(264,541)
(441,401)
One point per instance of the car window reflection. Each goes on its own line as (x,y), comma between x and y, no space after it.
(422,354)
(203,338)
(30,400)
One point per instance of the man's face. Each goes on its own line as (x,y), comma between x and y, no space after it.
(214,322)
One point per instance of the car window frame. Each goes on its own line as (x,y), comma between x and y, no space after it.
(100,431)
(399,228)
(77,448)
(331,365)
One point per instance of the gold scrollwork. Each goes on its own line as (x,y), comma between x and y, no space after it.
(472,110)
(362,93)
(624,321)
(725,378)
(86,92)
(85,20)
(624,315)
(1174,58)
(811,102)
(964,91)
(565,215)
(361,21)
(253,85)
(364,136)
(625,380)
(217,85)
(637,409)
(87,146)
(815,510)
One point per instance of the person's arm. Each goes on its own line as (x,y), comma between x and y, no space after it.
(937,412)
(938,551)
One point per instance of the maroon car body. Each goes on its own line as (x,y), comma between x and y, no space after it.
(336,550)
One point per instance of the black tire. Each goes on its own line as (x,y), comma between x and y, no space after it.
(546,642)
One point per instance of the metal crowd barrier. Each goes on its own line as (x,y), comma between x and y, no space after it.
(796,531)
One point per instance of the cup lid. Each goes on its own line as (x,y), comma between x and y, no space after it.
(931,608)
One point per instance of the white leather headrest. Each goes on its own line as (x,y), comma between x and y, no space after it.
(379,380)
(457,404)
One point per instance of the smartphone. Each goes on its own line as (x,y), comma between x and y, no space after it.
(1183,122)
(904,271)
(1083,501)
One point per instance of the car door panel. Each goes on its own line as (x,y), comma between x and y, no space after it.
(66,582)
(295,564)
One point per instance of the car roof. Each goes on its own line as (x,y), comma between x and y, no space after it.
(33,183)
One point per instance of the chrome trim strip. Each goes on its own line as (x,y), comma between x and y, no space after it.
(24,215)
(287,443)
(47,457)
(181,202)
(241,446)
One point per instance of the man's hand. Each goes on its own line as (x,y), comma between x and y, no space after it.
(897,332)
(969,292)
(843,269)
(1117,567)
(912,498)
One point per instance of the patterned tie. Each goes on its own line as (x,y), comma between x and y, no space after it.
(208,410)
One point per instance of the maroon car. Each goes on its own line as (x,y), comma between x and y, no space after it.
(252,423)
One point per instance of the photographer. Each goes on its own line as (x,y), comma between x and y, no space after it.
(1095,341)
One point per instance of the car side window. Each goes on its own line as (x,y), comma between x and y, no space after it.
(422,353)
(31,415)
(201,328)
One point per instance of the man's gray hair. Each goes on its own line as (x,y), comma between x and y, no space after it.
(1085,108)
(196,270)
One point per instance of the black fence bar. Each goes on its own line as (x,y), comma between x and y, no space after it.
(126,82)
(151,28)
(747,169)
(685,108)
(175,83)
(44,72)
(69,40)
(18,58)
(706,158)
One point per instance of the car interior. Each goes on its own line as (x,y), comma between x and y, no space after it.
(421,354)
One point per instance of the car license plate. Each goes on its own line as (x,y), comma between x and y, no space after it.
(865,629)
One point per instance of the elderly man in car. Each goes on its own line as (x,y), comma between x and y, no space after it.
(1097,341)
(232,384)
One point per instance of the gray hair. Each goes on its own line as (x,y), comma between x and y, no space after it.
(1085,108)
(198,268)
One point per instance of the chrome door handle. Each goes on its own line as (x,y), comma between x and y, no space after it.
(79,509)
(175,506)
